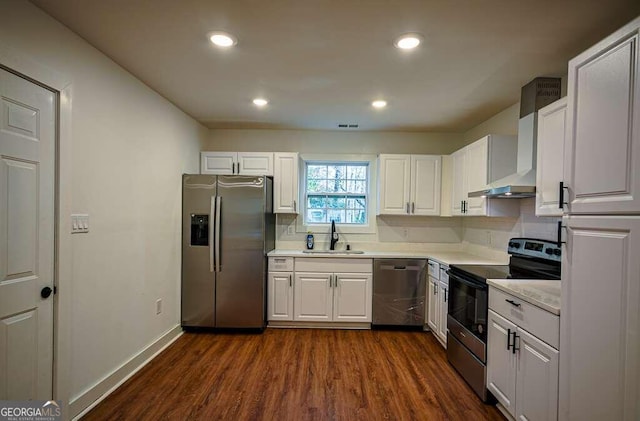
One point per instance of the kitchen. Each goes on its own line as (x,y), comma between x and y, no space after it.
(129,240)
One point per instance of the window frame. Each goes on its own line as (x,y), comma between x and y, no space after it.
(371,192)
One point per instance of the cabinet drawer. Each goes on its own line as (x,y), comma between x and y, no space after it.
(434,269)
(282,264)
(534,320)
(331,265)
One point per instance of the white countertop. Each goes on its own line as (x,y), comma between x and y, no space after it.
(448,258)
(541,293)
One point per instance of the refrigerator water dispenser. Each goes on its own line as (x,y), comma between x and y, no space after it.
(199,230)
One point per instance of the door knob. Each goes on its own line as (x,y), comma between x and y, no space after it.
(46,292)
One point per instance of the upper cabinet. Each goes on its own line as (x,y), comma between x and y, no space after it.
(474,167)
(409,184)
(238,163)
(550,158)
(285,182)
(602,145)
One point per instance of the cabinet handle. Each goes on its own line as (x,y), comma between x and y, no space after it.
(513,303)
(435,288)
(408,207)
(237,168)
(413,207)
(294,206)
(561,201)
(560,226)
(513,347)
(508,339)
(290,282)
(445,295)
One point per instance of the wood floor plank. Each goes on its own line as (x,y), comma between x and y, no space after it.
(297,374)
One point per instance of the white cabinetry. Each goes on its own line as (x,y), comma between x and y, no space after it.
(330,289)
(280,289)
(522,357)
(409,184)
(438,294)
(550,159)
(474,167)
(285,182)
(242,163)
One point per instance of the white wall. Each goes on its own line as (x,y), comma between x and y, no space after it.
(130,147)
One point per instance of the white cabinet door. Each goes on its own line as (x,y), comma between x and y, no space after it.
(313,297)
(352,297)
(221,163)
(394,184)
(280,296)
(255,163)
(600,321)
(550,158)
(602,168)
(501,362)
(426,173)
(476,175)
(285,182)
(536,379)
(433,311)
(458,192)
(443,295)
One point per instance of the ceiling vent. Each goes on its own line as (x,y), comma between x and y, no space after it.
(348,126)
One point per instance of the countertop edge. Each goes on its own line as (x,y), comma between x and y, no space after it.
(500,284)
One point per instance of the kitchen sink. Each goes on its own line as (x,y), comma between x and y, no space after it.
(333,251)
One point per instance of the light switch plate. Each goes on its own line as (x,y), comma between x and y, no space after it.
(79,223)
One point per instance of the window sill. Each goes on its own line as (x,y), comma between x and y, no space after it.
(370,228)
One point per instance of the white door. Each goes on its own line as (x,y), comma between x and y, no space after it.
(221,163)
(476,175)
(600,321)
(313,294)
(255,163)
(285,182)
(394,184)
(280,304)
(458,192)
(501,362)
(27,177)
(352,297)
(426,173)
(550,159)
(602,168)
(433,302)
(444,308)
(537,379)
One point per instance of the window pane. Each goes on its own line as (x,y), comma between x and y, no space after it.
(336,202)
(356,203)
(338,172)
(316,171)
(316,186)
(336,186)
(356,186)
(316,216)
(335,215)
(317,202)
(358,172)
(356,216)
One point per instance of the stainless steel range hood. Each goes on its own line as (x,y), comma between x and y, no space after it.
(535,95)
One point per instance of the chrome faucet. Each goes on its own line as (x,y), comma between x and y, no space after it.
(334,235)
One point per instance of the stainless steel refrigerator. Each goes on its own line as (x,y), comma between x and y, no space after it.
(228,227)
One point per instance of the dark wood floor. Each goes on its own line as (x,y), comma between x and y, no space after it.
(298,374)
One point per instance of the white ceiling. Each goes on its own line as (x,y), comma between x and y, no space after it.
(322,62)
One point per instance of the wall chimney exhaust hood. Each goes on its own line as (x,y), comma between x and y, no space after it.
(536,94)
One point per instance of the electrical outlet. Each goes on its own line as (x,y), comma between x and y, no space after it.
(159,306)
(291,230)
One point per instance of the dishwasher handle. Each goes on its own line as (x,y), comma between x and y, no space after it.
(400,267)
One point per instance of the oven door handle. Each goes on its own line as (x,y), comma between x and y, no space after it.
(475,285)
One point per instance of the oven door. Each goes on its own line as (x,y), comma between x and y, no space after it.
(468,305)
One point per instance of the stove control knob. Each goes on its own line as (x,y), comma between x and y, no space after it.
(549,251)
(557,252)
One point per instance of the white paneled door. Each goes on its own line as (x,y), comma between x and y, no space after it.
(27,179)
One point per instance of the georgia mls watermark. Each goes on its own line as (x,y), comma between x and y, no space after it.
(30,411)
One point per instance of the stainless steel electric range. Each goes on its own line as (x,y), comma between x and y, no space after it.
(468,303)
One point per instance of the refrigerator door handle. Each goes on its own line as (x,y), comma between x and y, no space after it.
(217,239)
(211,215)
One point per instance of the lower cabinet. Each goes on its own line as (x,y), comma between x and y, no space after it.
(280,296)
(522,370)
(437,303)
(338,297)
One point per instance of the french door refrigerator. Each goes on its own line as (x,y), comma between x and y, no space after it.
(228,227)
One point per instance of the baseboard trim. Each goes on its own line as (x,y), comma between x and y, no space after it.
(79,406)
(319,325)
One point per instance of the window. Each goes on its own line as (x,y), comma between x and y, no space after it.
(336,191)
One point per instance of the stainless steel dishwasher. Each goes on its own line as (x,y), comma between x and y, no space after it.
(399,292)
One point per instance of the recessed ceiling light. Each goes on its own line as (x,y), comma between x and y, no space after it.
(223,39)
(379,103)
(408,41)
(260,102)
